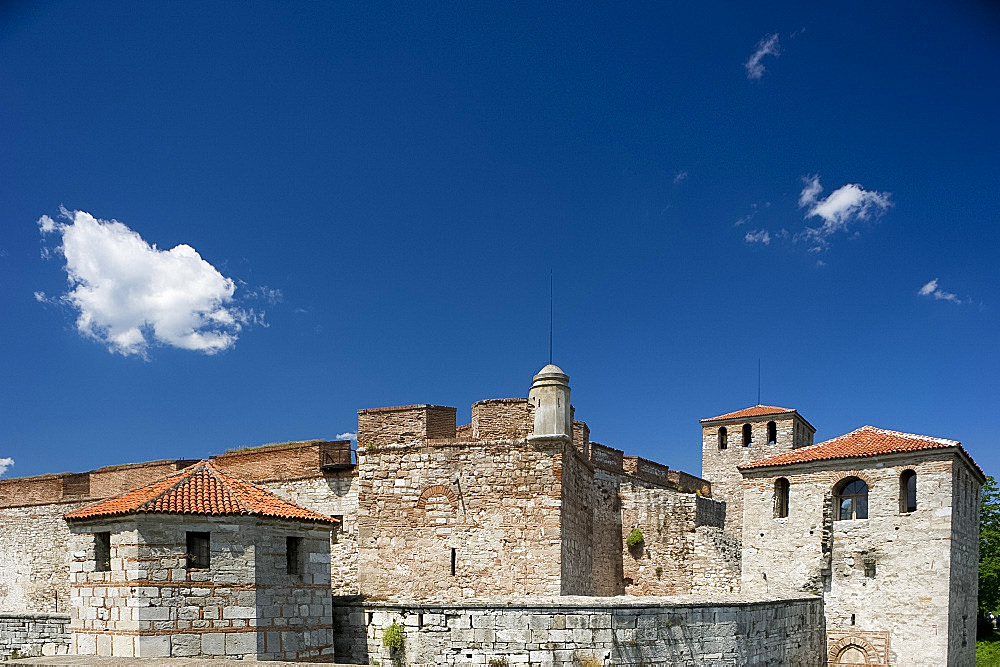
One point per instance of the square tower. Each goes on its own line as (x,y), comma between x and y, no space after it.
(741,437)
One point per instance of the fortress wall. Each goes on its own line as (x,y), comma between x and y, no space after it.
(334,494)
(607,537)
(571,632)
(34,558)
(662,563)
(964,573)
(289,460)
(494,505)
(502,419)
(34,634)
(405,424)
(577,523)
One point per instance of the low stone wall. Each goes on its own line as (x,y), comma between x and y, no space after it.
(585,631)
(33,634)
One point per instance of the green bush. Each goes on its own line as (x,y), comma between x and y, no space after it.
(392,637)
(634,539)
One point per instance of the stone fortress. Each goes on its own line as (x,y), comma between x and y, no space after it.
(513,539)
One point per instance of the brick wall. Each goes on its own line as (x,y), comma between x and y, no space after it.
(404,424)
(595,631)
(502,419)
(33,635)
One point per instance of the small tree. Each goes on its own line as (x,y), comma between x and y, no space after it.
(634,539)
(989,550)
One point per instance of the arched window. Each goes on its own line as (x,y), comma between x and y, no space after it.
(851,497)
(780,498)
(723,439)
(746,435)
(908,491)
(772,433)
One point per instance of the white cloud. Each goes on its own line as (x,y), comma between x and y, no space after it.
(931,289)
(5,463)
(129,294)
(681,175)
(350,435)
(844,206)
(767,46)
(758,236)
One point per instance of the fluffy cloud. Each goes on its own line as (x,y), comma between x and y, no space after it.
(758,236)
(931,289)
(767,46)
(844,206)
(350,435)
(129,294)
(4,464)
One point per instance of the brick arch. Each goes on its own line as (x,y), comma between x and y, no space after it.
(852,641)
(838,477)
(435,491)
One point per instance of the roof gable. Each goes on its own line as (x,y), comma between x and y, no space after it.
(863,442)
(200,489)
(752,411)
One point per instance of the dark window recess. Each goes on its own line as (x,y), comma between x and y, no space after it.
(870,567)
(908,492)
(454,561)
(781,498)
(102,551)
(723,439)
(293,555)
(852,619)
(772,433)
(198,551)
(747,435)
(852,499)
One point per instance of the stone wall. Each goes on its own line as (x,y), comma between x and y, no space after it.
(502,419)
(964,563)
(490,508)
(887,579)
(34,561)
(246,604)
(581,631)
(33,635)
(609,577)
(719,466)
(576,523)
(334,494)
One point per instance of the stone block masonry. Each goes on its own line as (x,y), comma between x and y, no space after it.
(586,630)
(33,635)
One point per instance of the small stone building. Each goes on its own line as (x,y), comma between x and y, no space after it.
(200,563)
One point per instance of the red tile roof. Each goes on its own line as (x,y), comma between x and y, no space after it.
(752,411)
(200,489)
(865,441)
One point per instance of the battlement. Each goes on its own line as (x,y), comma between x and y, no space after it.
(404,424)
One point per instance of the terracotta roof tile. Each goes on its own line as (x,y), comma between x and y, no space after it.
(200,489)
(865,441)
(752,411)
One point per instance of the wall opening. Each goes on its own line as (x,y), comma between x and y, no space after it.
(772,433)
(851,496)
(747,435)
(781,487)
(293,555)
(454,560)
(723,437)
(102,552)
(908,492)
(199,551)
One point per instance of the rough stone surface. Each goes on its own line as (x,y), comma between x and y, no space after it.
(33,635)
(579,630)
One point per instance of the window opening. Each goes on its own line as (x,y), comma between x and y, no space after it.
(852,499)
(772,433)
(198,551)
(454,557)
(869,563)
(908,491)
(852,619)
(723,438)
(781,498)
(293,555)
(102,551)
(747,433)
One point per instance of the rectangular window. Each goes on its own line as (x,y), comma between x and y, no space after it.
(198,551)
(454,561)
(102,551)
(293,555)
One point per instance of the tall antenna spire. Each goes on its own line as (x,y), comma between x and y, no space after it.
(758,380)
(550,316)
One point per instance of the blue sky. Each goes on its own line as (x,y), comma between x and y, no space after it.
(324,207)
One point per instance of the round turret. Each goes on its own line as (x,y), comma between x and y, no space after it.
(549,395)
